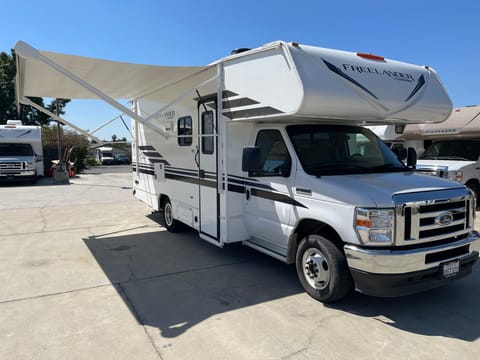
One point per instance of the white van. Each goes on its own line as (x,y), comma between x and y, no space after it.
(21,152)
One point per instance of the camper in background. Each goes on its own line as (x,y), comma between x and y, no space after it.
(454,147)
(21,152)
(104,155)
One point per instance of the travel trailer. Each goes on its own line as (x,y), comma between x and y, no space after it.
(267,147)
(21,152)
(454,150)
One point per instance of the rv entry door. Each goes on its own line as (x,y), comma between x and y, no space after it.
(207,173)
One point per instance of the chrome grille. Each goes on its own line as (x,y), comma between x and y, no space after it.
(11,168)
(438,217)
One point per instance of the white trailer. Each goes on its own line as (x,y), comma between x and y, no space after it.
(454,147)
(21,152)
(268,148)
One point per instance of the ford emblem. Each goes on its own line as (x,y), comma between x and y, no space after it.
(444,219)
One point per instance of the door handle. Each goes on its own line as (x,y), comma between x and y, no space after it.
(247,194)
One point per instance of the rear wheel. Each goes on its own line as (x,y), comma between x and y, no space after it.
(322,269)
(171,224)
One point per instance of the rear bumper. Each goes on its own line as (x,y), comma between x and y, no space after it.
(394,273)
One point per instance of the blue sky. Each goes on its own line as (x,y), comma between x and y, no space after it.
(443,34)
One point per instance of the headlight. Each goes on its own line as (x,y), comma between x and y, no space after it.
(29,165)
(375,226)
(455,176)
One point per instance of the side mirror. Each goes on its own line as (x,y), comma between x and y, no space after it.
(400,152)
(411,158)
(251,159)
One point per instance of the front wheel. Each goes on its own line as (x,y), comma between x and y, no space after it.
(171,224)
(322,269)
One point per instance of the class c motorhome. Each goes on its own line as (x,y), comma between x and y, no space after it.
(268,148)
(454,147)
(21,152)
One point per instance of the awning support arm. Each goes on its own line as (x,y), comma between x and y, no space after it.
(27,101)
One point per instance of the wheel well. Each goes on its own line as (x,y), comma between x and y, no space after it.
(161,201)
(473,181)
(308,227)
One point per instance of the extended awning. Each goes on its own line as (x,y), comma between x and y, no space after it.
(54,75)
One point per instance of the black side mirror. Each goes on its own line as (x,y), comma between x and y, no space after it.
(400,152)
(251,161)
(411,158)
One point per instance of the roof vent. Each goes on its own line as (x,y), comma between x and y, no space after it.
(239,50)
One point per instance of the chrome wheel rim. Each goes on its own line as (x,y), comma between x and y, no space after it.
(316,269)
(167,214)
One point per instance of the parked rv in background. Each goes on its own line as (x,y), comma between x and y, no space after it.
(393,137)
(104,155)
(454,147)
(21,152)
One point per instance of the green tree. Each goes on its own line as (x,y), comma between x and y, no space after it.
(8,106)
(70,139)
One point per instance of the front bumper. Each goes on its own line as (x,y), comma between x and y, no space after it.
(389,272)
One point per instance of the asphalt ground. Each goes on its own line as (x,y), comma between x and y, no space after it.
(87,272)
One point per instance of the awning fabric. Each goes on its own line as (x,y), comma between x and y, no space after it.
(118,80)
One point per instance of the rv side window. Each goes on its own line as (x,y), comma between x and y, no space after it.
(274,157)
(184,127)
(207,133)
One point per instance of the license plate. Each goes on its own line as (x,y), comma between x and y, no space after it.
(450,268)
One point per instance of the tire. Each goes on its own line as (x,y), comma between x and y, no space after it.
(322,269)
(170,223)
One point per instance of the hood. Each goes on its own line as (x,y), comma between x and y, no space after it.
(377,189)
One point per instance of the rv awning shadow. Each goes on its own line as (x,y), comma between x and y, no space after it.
(175,281)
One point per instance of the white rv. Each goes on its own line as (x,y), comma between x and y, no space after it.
(454,150)
(21,152)
(393,137)
(104,155)
(268,148)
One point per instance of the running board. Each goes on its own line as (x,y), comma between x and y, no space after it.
(265,251)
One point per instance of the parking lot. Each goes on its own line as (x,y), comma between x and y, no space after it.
(87,272)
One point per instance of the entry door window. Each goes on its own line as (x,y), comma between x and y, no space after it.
(207,133)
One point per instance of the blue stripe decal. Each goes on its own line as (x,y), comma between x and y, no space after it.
(337,71)
(420,83)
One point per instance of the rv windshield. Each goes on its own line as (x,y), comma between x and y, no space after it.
(12,149)
(340,150)
(452,150)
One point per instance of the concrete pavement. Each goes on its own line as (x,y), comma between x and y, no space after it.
(88,273)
